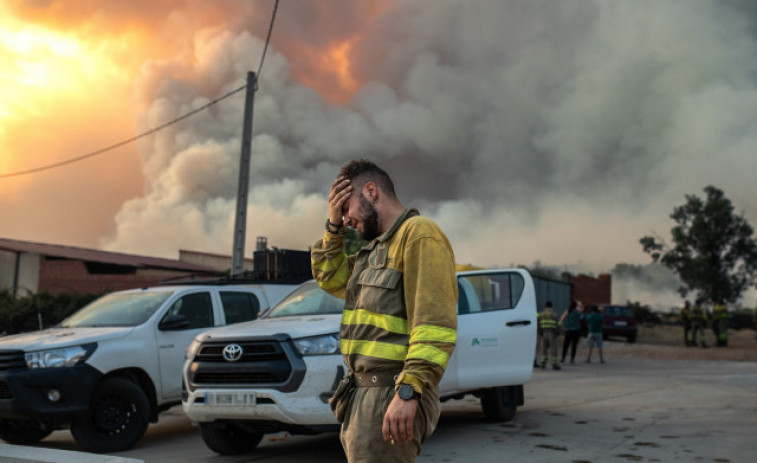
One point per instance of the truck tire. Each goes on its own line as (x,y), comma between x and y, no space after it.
(498,404)
(23,432)
(118,415)
(226,438)
(631,338)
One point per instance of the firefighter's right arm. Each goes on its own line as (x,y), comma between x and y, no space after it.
(330,264)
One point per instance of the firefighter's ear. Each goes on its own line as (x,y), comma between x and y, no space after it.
(371,192)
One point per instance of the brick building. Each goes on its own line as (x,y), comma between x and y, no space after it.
(590,290)
(28,268)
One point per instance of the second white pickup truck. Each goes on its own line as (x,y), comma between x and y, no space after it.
(278,372)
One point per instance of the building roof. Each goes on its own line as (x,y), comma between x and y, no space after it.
(105,257)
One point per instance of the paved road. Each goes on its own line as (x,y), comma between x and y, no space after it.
(625,410)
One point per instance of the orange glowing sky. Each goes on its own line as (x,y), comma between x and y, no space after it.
(67,73)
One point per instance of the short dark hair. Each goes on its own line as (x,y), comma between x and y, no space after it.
(359,172)
(548,304)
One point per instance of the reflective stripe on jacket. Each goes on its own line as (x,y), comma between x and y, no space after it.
(719,311)
(400,295)
(547,319)
(697,314)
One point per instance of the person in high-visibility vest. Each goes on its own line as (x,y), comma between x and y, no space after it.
(720,323)
(399,321)
(548,325)
(698,323)
(685,316)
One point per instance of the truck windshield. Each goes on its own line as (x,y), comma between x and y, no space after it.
(123,309)
(308,299)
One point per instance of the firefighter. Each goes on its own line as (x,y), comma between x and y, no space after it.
(399,322)
(548,325)
(720,323)
(698,323)
(685,316)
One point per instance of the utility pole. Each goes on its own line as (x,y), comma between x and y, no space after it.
(240,223)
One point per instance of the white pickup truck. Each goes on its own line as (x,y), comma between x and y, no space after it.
(278,372)
(111,367)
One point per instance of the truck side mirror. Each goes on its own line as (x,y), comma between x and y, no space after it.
(173,323)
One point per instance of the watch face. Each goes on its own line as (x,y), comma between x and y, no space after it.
(406,392)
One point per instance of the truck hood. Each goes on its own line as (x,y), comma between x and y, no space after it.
(61,337)
(295,327)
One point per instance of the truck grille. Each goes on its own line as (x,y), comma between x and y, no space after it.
(242,377)
(269,362)
(5,391)
(252,352)
(12,360)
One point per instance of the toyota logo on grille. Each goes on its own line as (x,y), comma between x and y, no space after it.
(232,352)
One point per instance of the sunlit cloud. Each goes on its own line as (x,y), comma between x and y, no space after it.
(529,129)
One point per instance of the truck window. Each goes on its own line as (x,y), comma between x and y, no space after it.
(118,309)
(494,291)
(196,307)
(239,306)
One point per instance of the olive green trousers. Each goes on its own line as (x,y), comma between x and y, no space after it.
(361,435)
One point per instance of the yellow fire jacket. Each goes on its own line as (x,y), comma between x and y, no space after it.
(400,295)
(547,319)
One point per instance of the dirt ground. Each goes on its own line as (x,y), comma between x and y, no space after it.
(666,342)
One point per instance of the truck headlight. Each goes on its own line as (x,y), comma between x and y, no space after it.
(192,349)
(318,345)
(62,357)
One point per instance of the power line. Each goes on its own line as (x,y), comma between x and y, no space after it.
(268,37)
(124,142)
(155,129)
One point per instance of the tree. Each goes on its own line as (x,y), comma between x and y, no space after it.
(714,255)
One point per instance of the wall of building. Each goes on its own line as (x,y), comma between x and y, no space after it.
(592,291)
(26,281)
(219,262)
(71,276)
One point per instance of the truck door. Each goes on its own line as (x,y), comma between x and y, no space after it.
(172,344)
(496,328)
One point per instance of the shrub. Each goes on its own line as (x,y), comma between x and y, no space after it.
(26,313)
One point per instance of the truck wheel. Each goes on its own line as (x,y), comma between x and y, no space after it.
(498,404)
(118,415)
(23,432)
(226,438)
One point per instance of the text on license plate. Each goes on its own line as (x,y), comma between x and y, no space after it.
(620,323)
(230,398)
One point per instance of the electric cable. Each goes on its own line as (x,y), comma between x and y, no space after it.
(123,142)
(268,37)
(155,129)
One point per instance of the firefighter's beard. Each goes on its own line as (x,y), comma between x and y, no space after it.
(370,220)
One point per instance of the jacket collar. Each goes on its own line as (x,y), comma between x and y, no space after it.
(408,213)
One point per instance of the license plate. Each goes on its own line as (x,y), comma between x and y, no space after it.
(230,398)
(618,323)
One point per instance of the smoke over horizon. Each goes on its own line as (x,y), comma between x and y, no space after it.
(530,130)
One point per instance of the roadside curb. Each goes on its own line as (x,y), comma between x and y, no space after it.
(21,454)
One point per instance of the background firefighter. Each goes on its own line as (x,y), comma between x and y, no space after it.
(548,326)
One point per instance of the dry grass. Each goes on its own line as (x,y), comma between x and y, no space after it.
(666,342)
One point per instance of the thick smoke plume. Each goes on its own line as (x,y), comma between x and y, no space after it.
(530,129)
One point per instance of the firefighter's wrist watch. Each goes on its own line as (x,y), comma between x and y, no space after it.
(406,392)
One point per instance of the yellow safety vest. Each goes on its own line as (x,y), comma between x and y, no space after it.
(400,295)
